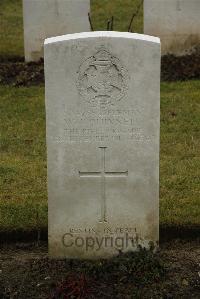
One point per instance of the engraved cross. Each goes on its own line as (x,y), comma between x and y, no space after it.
(103,174)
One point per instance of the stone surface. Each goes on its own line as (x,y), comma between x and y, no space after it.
(102,106)
(47,18)
(176,22)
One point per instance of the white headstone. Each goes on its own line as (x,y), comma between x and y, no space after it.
(102,107)
(176,22)
(48,18)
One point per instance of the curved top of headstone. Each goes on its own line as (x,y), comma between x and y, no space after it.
(95,34)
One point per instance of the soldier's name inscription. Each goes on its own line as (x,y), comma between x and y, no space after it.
(99,126)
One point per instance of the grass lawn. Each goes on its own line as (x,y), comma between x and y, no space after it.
(11,21)
(23,199)
(23,195)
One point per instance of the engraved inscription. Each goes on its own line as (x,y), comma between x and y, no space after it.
(102,80)
(101,126)
(103,230)
(103,174)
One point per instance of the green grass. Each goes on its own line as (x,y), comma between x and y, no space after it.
(122,10)
(23,159)
(11,21)
(11,29)
(180,155)
(23,199)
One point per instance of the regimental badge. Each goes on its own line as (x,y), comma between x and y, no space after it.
(102,80)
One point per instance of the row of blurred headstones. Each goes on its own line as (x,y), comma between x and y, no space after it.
(176,22)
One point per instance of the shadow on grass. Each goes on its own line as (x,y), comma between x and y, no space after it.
(13,59)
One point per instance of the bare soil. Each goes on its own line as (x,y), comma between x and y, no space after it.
(26,271)
(18,73)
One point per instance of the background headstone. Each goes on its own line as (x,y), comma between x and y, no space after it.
(102,106)
(176,22)
(47,18)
